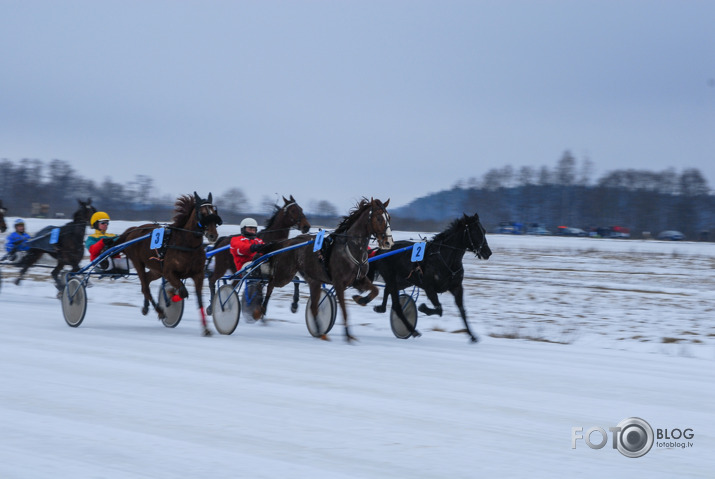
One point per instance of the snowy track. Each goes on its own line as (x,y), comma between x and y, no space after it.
(121,396)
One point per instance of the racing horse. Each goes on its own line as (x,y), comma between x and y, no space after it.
(182,254)
(69,248)
(3,212)
(441,269)
(277,229)
(342,261)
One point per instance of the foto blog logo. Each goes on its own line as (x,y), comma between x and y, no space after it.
(633,437)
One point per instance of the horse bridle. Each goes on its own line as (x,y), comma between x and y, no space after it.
(387,222)
(294,221)
(477,250)
(203,220)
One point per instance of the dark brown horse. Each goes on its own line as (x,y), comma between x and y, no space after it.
(183,255)
(69,248)
(3,212)
(276,231)
(342,261)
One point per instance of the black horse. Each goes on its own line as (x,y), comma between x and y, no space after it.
(3,212)
(69,248)
(440,270)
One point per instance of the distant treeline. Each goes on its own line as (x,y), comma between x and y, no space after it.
(564,195)
(641,200)
(32,188)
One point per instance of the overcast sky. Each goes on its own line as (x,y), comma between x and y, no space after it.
(335,100)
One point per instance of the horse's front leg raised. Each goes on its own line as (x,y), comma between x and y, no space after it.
(434,299)
(364,284)
(458,293)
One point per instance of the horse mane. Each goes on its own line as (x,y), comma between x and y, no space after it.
(352,216)
(453,226)
(272,219)
(183,208)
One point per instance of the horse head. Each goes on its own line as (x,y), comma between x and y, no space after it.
(476,236)
(84,212)
(3,211)
(207,217)
(379,223)
(295,214)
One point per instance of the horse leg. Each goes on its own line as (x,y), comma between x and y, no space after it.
(28,260)
(146,278)
(458,293)
(56,275)
(432,296)
(260,312)
(215,276)
(382,307)
(198,285)
(340,293)
(296,295)
(365,284)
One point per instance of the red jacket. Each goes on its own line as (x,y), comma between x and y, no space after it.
(241,250)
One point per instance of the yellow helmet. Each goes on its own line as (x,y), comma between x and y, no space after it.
(98,216)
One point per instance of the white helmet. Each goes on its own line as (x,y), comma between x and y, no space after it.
(248,223)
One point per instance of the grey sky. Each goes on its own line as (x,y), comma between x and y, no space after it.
(341,99)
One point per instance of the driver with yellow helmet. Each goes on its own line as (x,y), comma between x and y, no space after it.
(96,242)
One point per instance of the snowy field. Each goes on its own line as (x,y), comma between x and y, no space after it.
(575,332)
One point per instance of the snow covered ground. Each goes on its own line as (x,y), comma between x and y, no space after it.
(575,332)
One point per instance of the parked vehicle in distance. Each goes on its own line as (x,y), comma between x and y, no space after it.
(671,235)
(610,232)
(570,231)
(510,228)
(537,229)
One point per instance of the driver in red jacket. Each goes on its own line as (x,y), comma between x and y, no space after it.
(247,245)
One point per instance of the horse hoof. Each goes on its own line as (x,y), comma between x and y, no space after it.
(416,334)
(473,339)
(294,308)
(209,310)
(350,338)
(379,309)
(206,333)
(362,301)
(17,282)
(145,310)
(258,313)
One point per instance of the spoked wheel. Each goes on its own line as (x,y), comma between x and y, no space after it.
(173,311)
(410,309)
(251,299)
(327,310)
(226,309)
(74,302)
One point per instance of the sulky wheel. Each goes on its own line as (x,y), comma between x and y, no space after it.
(226,309)
(74,302)
(173,311)
(327,310)
(399,329)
